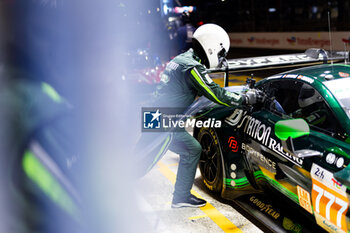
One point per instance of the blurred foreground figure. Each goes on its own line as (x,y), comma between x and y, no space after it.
(35,193)
(62,148)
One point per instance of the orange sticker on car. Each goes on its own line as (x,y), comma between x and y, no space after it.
(343,75)
(304,199)
(330,207)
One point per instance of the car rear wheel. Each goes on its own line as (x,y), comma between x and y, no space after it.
(210,163)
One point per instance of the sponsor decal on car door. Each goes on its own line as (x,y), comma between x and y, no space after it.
(260,132)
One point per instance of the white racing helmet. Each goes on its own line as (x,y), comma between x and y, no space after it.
(214,41)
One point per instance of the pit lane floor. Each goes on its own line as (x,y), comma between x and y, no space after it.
(156,189)
(246,214)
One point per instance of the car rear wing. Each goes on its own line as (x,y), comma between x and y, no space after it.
(309,57)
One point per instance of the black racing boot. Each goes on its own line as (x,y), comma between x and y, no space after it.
(191,201)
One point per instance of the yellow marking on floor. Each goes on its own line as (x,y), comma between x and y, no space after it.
(173,164)
(198,217)
(217,217)
(167,172)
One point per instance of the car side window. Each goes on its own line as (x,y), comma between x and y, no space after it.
(283,97)
(301,100)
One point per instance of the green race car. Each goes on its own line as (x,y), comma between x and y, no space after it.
(296,142)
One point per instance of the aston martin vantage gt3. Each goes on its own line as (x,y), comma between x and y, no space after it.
(296,142)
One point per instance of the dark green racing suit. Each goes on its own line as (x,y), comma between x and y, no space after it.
(183,80)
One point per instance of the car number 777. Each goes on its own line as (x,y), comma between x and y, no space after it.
(330,205)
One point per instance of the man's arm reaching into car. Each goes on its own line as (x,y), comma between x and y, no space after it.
(200,79)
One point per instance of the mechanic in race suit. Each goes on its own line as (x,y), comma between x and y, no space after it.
(185,78)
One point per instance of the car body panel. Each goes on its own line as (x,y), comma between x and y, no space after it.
(254,158)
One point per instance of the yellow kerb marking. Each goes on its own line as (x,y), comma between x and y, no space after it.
(210,211)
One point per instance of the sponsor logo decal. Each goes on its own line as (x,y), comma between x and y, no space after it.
(304,199)
(343,75)
(289,225)
(337,184)
(320,43)
(306,79)
(289,76)
(260,158)
(260,132)
(346,40)
(265,208)
(263,41)
(292,40)
(236,117)
(232,143)
(300,77)
(251,39)
(329,226)
(273,77)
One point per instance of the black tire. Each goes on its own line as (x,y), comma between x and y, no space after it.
(210,163)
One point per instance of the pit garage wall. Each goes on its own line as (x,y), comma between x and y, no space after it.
(291,40)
